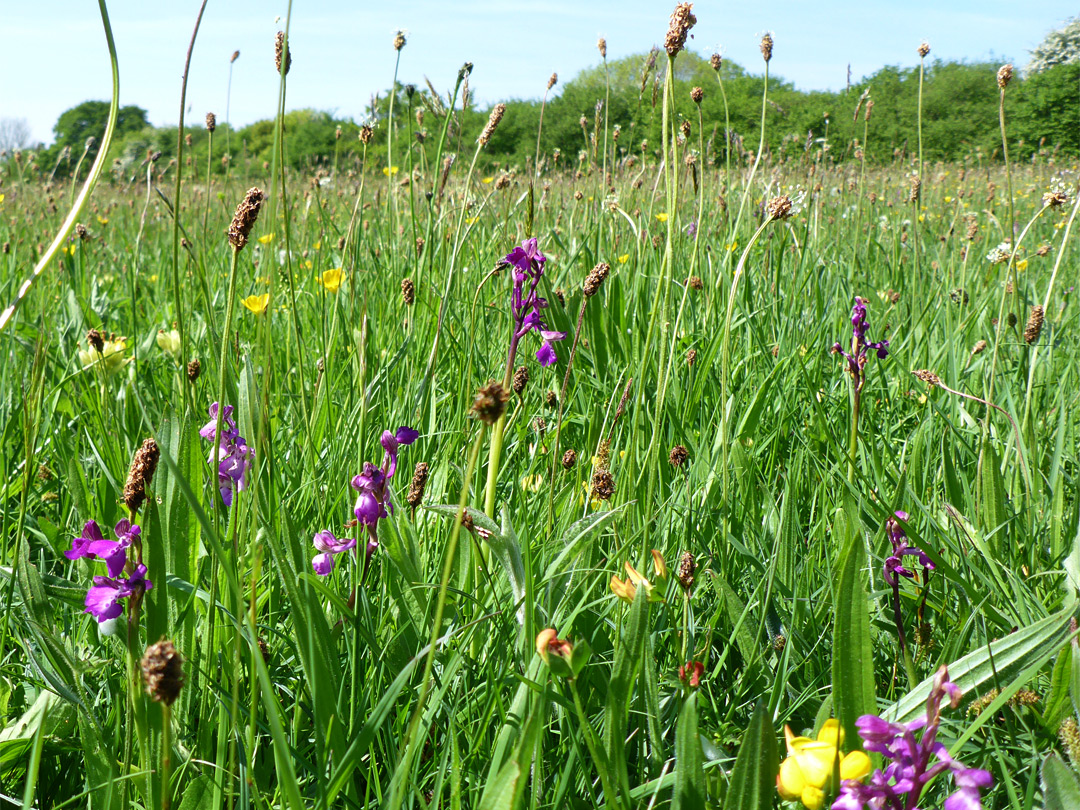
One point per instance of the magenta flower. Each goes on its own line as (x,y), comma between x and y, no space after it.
(91,543)
(103,600)
(232,454)
(860,346)
(910,768)
(898,537)
(528,265)
(372,501)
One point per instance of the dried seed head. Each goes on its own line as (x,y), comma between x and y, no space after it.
(280,50)
(194,369)
(244,218)
(915,188)
(766,47)
(691,357)
(1004,76)
(569,459)
(624,399)
(959,296)
(928,377)
(235,56)
(408,292)
(552,80)
(521,379)
(603,483)
(419,482)
(1043,250)
(399,40)
(1055,198)
(696,94)
(779,207)
(695,283)
(551,399)
(366,132)
(972,227)
(601,45)
(560,296)
(923,49)
(603,454)
(716,61)
(497,113)
(6,248)
(81,232)
(682,20)
(596,278)
(96,339)
(163,672)
(419,246)
(1034,325)
(687,566)
(211,122)
(678,456)
(1010,319)
(490,402)
(143,466)
(869,109)
(1069,734)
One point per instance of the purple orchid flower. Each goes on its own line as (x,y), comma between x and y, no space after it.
(860,346)
(91,543)
(103,600)
(898,537)
(231,454)
(901,784)
(372,501)
(528,265)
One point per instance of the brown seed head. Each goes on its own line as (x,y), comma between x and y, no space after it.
(596,278)
(923,49)
(684,127)
(691,357)
(1004,76)
(928,377)
(766,47)
(1034,325)
(490,402)
(408,292)
(915,188)
(244,218)
(603,483)
(682,20)
(142,470)
(497,113)
(1055,198)
(194,369)
(569,459)
(419,246)
(696,94)
(419,482)
(1011,318)
(716,61)
(678,455)
(551,399)
(81,232)
(163,672)
(1043,250)
(280,50)
(235,56)
(96,339)
(211,122)
(552,80)
(6,248)
(779,207)
(687,566)
(603,454)
(601,45)
(869,109)
(972,227)
(399,40)
(366,132)
(695,283)
(521,379)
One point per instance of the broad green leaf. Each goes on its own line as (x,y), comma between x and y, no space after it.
(753,779)
(1061,788)
(689,760)
(853,652)
(992,495)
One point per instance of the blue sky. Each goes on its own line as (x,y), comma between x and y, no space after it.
(54,53)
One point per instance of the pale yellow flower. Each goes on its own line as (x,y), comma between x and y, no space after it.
(266,238)
(806,773)
(111,356)
(331,279)
(169,341)
(389,170)
(662,217)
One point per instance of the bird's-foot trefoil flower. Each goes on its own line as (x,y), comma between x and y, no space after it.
(912,763)
(806,775)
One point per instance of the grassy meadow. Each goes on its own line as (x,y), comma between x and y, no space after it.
(613,578)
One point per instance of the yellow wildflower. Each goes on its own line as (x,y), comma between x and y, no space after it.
(318,245)
(661,217)
(532,483)
(169,341)
(487,180)
(111,355)
(472,220)
(257,303)
(331,279)
(624,258)
(731,247)
(389,170)
(266,238)
(1022,265)
(806,773)
(103,220)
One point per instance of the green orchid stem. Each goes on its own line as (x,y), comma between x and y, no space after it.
(853,440)
(166,755)
(603,767)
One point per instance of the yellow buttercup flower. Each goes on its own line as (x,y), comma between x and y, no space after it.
(661,217)
(731,247)
(308,264)
(472,220)
(806,774)
(331,279)
(318,245)
(1022,265)
(1,199)
(389,170)
(266,238)
(257,303)
(624,258)
(487,180)
(103,220)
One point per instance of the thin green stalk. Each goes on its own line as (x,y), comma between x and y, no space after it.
(596,751)
(758,157)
